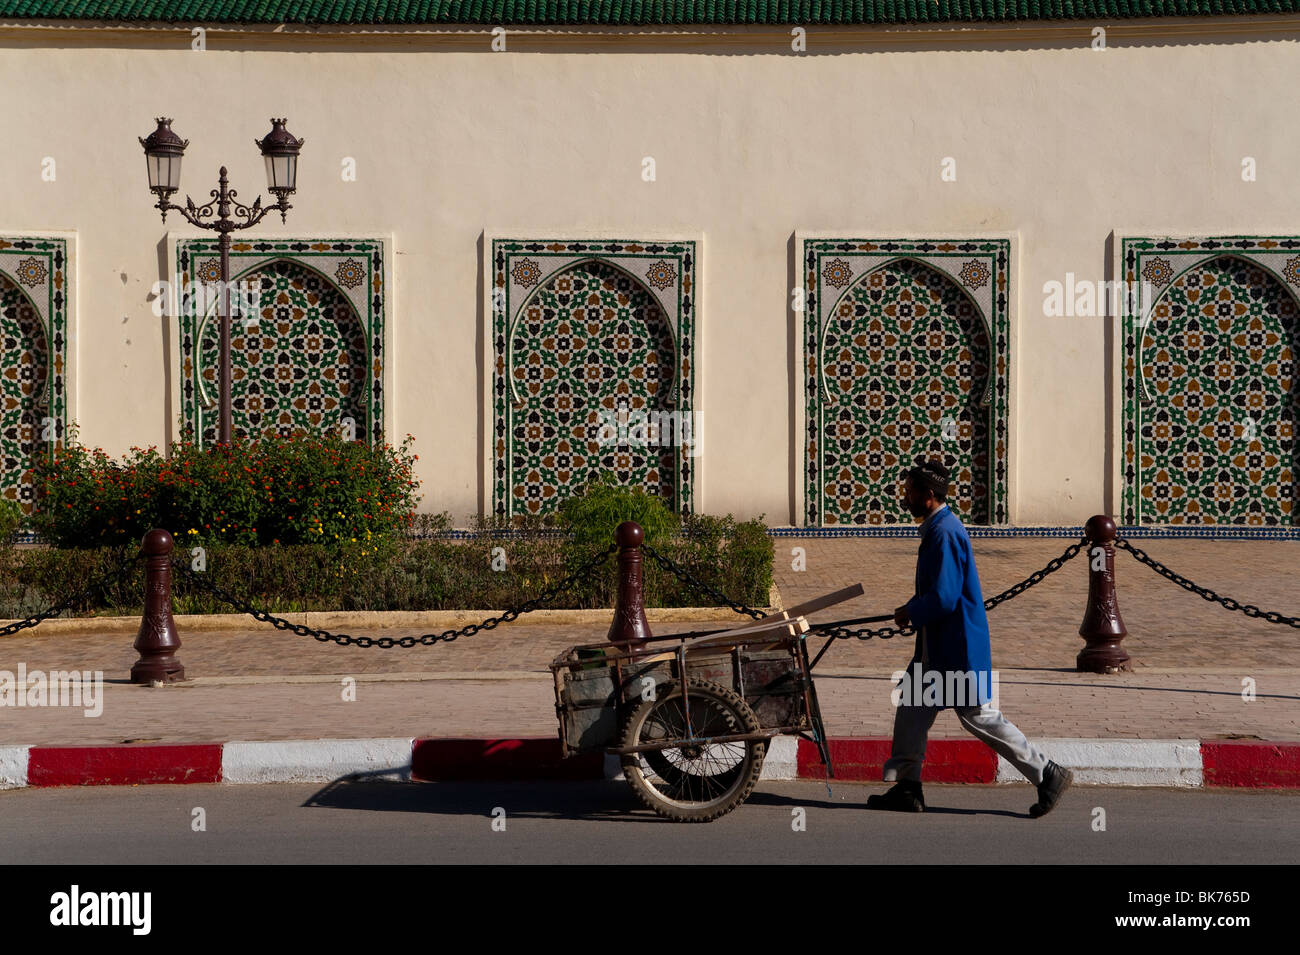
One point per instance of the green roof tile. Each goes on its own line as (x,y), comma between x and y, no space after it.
(627,12)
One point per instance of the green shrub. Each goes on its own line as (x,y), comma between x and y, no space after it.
(592,515)
(429,525)
(591,518)
(11,520)
(395,574)
(734,558)
(307,489)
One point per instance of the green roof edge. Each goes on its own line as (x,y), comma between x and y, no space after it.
(626,12)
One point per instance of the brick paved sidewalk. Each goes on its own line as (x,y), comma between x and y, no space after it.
(1043,703)
(1168,627)
(1191,658)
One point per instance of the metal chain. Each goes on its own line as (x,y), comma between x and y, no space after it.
(863,633)
(1037,577)
(681,573)
(586,570)
(1205,592)
(113,576)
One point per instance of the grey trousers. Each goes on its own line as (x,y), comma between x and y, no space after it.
(912,726)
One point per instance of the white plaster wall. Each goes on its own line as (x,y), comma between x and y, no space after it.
(1057,146)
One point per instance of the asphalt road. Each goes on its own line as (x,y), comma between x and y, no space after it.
(375,823)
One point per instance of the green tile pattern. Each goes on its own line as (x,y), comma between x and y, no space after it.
(310,355)
(33,359)
(1211,394)
(593,369)
(630,12)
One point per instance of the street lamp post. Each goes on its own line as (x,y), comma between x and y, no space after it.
(163,150)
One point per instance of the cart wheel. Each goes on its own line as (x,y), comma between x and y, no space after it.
(693,783)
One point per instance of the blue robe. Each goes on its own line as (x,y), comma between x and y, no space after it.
(950,608)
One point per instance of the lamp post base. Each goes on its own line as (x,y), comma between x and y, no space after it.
(1106,657)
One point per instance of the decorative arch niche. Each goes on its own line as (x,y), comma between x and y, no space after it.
(905,356)
(34,320)
(311,358)
(592,343)
(1210,382)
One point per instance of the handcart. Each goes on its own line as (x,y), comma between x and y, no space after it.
(690,714)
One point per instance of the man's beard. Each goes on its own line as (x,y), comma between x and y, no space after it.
(918,509)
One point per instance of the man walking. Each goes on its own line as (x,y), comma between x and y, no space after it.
(952,644)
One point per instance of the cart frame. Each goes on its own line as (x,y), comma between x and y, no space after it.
(757,674)
(629,664)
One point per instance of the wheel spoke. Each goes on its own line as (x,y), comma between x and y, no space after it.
(694,777)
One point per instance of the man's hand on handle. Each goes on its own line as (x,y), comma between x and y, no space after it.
(900,616)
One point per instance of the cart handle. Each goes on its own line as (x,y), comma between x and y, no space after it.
(840,623)
(824,624)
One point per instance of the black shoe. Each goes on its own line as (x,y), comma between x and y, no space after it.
(1056,780)
(905,796)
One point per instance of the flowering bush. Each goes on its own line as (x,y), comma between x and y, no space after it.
(308,489)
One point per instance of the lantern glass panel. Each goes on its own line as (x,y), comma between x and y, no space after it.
(164,171)
(281,172)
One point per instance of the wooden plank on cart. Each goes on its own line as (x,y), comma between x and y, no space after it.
(821,603)
(747,633)
(792,620)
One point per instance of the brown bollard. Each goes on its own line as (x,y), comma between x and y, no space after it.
(157,640)
(1102,628)
(630,626)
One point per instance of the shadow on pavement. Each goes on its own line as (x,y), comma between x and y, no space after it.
(608,801)
(777,799)
(604,801)
(946,811)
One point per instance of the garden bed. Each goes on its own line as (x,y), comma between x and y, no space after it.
(480,570)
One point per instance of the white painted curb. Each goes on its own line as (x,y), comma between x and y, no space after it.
(1099,762)
(1120,762)
(13,767)
(321,760)
(782,761)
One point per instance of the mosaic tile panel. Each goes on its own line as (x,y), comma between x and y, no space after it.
(33,359)
(583,332)
(1210,387)
(315,355)
(906,356)
(300,368)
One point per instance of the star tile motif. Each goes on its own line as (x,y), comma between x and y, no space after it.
(526,272)
(1217,434)
(31,272)
(350,273)
(837,273)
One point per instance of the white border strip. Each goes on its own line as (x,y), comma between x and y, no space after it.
(322,760)
(1098,762)
(782,760)
(1120,762)
(13,767)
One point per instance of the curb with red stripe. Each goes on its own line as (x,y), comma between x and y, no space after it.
(123,765)
(1182,763)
